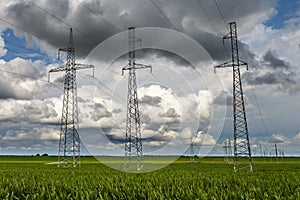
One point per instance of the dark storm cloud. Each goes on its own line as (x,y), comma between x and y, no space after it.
(51,23)
(100,111)
(276,70)
(116,111)
(149,100)
(224,98)
(171,113)
(272,78)
(36,22)
(60,79)
(6,91)
(271,60)
(143,53)
(95,21)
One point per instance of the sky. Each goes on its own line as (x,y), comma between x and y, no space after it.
(182,100)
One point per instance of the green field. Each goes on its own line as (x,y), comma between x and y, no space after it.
(206,178)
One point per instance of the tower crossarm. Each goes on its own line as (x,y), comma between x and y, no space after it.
(58,69)
(229,64)
(66,49)
(83,66)
(242,63)
(77,67)
(224,65)
(136,66)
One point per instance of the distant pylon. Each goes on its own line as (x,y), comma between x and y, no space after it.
(241,134)
(133,140)
(192,152)
(69,143)
(227,150)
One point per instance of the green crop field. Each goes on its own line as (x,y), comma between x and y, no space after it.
(206,178)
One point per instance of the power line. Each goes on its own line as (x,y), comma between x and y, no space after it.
(31,77)
(133,140)
(69,143)
(163,14)
(203,9)
(58,19)
(18,27)
(220,10)
(20,46)
(241,134)
(259,111)
(111,8)
(96,14)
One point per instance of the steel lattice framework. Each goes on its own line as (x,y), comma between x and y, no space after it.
(133,141)
(69,143)
(241,134)
(227,150)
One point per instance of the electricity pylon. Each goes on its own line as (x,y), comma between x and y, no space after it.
(241,134)
(192,152)
(227,150)
(133,140)
(69,143)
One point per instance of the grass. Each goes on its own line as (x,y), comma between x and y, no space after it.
(206,178)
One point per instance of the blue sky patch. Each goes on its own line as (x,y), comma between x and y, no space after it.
(17,47)
(286,9)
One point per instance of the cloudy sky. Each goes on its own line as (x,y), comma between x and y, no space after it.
(181,101)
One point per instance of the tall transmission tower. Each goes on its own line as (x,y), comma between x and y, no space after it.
(241,134)
(133,141)
(69,143)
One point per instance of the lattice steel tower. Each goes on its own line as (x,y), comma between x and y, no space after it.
(133,140)
(227,150)
(241,134)
(69,143)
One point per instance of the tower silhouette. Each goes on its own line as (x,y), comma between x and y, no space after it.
(240,127)
(69,142)
(133,140)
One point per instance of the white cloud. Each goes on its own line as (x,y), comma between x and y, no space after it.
(2,47)
(16,135)
(297,137)
(36,133)
(22,79)
(280,138)
(167,113)
(154,143)
(204,139)
(47,133)
(29,111)
(283,41)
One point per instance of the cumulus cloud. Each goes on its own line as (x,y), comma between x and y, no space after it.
(31,135)
(297,136)
(34,111)
(22,79)
(202,138)
(271,59)
(279,138)
(167,115)
(3,50)
(224,98)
